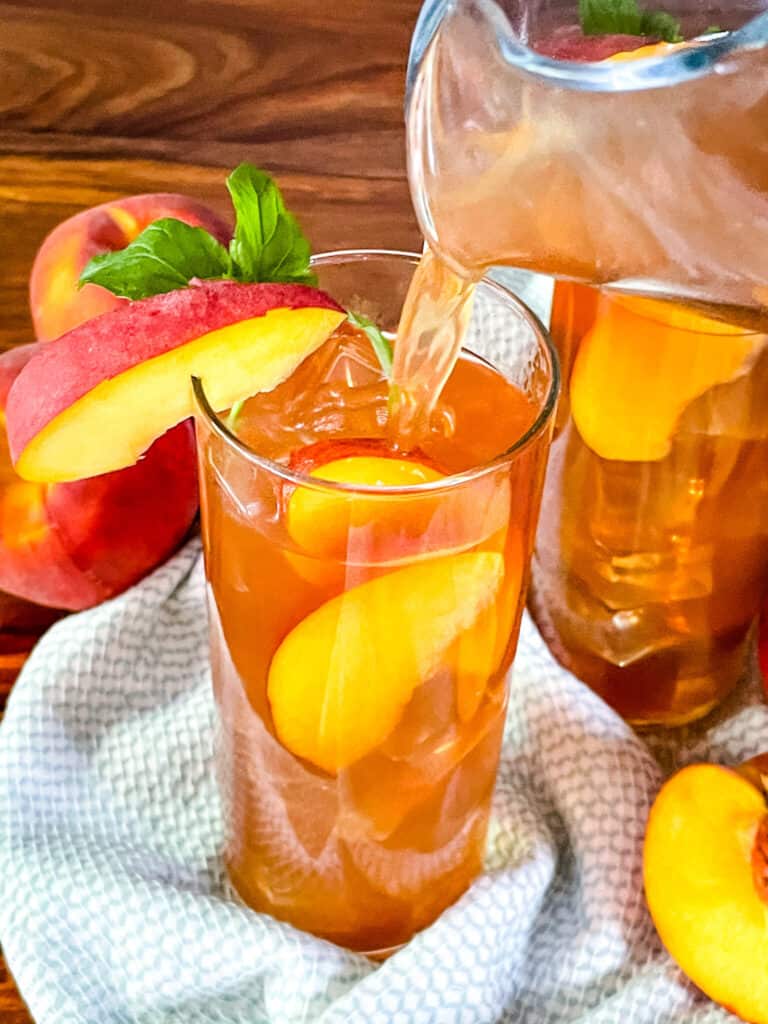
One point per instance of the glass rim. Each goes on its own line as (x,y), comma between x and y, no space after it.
(299,479)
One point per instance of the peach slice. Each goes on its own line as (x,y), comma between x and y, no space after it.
(340,680)
(95,401)
(320,521)
(74,545)
(389,528)
(56,303)
(638,368)
(704,862)
(480,651)
(644,52)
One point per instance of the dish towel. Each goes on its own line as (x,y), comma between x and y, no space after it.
(113,903)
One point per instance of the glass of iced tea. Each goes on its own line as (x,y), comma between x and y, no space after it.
(652,551)
(364,609)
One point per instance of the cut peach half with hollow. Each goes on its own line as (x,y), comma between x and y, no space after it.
(96,400)
(340,680)
(639,367)
(704,865)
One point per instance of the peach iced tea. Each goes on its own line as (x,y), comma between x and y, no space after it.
(364,608)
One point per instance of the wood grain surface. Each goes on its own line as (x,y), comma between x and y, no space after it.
(108,98)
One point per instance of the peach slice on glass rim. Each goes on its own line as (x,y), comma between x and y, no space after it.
(73,545)
(705,865)
(95,400)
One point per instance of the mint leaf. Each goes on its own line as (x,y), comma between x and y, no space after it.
(382,346)
(268,244)
(166,255)
(625,17)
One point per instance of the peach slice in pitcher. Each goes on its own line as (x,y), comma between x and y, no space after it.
(96,400)
(340,680)
(639,367)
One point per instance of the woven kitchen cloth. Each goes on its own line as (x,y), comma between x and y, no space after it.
(114,907)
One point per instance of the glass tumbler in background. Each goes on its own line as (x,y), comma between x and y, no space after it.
(652,551)
(364,611)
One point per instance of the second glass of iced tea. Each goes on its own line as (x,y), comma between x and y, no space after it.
(652,553)
(364,611)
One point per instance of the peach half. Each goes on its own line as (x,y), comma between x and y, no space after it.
(73,545)
(705,866)
(55,301)
(94,401)
(340,680)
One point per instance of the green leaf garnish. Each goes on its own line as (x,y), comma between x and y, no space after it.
(382,346)
(625,17)
(268,245)
(166,255)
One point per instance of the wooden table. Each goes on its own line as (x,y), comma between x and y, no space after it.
(100,99)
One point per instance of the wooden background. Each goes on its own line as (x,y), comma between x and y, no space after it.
(111,97)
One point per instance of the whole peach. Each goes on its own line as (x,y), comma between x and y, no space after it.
(56,303)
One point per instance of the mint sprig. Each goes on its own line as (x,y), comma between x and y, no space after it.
(626,17)
(382,346)
(268,245)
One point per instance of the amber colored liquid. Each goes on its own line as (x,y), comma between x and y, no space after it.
(370,853)
(647,574)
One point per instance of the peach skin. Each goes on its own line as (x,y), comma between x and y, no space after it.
(94,401)
(73,545)
(56,304)
(705,865)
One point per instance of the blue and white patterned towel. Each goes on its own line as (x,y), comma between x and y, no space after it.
(113,906)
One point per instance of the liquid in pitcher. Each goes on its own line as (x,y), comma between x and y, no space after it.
(531,144)
(652,551)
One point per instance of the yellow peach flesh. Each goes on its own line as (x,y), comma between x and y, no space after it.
(699,886)
(340,680)
(319,520)
(639,367)
(139,405)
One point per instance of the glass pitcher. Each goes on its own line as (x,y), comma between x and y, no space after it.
(649,176)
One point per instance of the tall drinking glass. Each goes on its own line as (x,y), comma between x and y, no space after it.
(364,611)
